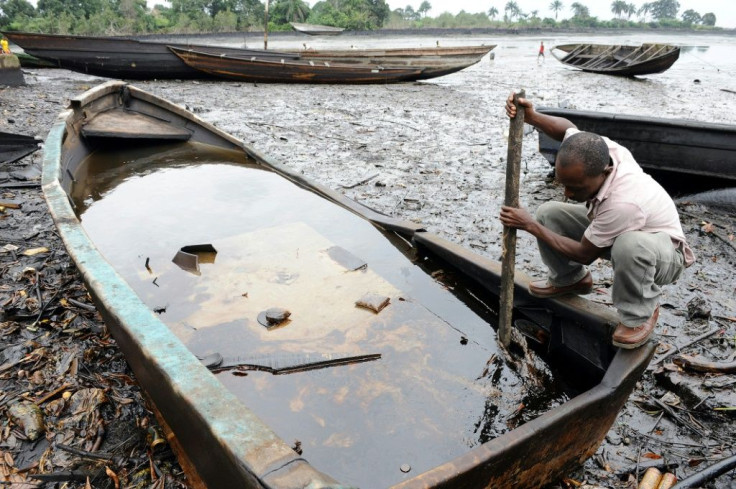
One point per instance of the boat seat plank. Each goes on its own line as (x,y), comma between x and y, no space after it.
(129,125)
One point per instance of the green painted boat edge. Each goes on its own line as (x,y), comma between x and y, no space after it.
(243,451)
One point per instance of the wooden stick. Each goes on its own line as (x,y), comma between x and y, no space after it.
(508,257)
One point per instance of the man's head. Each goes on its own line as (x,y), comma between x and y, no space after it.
(582,165)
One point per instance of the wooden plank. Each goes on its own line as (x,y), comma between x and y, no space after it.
(129,125)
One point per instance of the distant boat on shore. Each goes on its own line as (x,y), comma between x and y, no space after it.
(646,59)
(316,29)
(123,57)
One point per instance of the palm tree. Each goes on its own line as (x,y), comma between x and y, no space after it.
(512,9)
(556,6)
(424,8)
(296,10)
(644,10)
(618,7)
(630,10)
(580,11)
(492,12)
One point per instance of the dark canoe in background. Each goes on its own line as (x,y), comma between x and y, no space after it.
(253,69)
(684,155)
(227,443)
(15,146)
(121,57)
(434,62)
(316,29)
(620,60)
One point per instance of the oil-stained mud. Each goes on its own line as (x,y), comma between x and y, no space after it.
(434,152)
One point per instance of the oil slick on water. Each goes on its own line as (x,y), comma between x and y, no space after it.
(438,386)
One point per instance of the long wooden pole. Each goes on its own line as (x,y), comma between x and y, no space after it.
(508,257)
(265,28)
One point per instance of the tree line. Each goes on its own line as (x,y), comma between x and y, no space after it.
(115,17)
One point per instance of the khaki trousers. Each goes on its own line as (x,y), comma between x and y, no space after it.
(642,262)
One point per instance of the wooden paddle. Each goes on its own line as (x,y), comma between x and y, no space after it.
(508,257)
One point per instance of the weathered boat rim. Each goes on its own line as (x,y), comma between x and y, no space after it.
(251,448)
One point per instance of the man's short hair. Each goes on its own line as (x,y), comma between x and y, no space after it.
(585,147)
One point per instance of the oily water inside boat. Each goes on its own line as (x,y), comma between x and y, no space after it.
(431,383)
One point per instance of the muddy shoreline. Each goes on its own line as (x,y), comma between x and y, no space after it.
(434,153)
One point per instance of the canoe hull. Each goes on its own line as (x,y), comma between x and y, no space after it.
(15,146)
(433,62)
(647,59)
(228,444)
(292,71)
(684,147)
(316,30)
(119,58)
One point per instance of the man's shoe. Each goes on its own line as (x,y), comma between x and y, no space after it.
(544,289)
(629,338)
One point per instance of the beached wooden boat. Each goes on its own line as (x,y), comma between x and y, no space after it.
(15,146)
(434,61)
(679,148)
(316,29)
(411,394)
(620,60)
(121,57)
(253,69)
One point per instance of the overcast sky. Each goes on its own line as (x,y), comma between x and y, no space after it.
(724,10)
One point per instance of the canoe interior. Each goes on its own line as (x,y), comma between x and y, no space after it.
(15,146)
(432,378)
(669,149)
(619,59)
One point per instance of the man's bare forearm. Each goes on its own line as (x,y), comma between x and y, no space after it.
(553,126)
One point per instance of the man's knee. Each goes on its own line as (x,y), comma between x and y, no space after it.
(547,212)
(631,248)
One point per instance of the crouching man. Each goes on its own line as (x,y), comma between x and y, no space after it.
(623,215)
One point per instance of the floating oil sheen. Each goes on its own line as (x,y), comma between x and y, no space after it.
(434,383)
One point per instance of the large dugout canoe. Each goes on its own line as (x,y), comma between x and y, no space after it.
(253,69)
(122,57)
(434,61)
(621,60)
(314,251)
(670,147)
